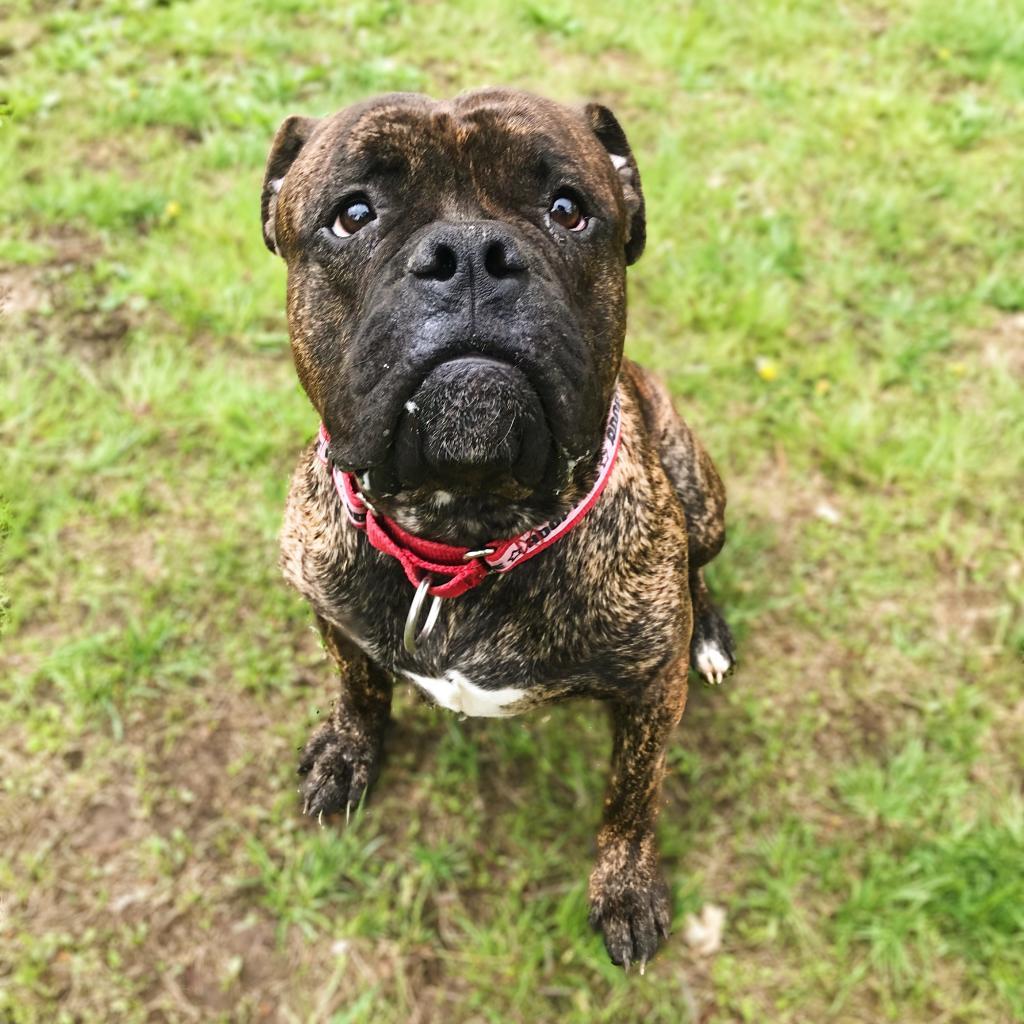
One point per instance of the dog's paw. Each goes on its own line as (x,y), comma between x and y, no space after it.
(712,662)
(337,768)
(712,654)
(630,905)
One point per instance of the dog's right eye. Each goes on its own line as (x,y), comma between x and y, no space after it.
(354,214)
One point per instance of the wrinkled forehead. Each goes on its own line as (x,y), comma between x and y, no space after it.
(477,137)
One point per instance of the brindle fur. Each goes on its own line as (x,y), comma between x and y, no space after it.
(607,612)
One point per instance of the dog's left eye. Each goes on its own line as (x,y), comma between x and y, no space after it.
(354,214)
(565,210)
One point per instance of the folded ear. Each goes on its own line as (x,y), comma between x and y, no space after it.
(608,130)
(293,134)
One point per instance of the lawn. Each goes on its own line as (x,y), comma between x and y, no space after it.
(834,289)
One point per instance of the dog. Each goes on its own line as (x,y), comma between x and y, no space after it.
(499,508)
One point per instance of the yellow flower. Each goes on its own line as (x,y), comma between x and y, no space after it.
(958,369)
(822,386)
(944,53)
(172,209)
(766,368)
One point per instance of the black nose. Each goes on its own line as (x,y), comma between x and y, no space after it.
(480,255)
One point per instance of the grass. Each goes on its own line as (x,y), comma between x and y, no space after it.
(832,287)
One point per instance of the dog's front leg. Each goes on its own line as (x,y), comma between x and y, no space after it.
(629,901)
(342,758)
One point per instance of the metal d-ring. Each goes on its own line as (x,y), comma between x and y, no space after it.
(410,637)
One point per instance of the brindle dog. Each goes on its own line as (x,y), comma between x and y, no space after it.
(457,309)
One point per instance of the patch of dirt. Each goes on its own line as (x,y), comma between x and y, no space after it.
(143,838)
(21,292)
(1002,346)
(111,153)
(967,616)
(998,346)
(874,20)
(40,299)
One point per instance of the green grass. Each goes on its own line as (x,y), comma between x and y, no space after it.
(834,289)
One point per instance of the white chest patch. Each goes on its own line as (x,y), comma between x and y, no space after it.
(457,693)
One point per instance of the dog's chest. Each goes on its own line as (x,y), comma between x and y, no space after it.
(466,688)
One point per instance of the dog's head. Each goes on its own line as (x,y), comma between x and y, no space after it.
(456,285)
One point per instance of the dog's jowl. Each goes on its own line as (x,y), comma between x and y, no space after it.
(499,508)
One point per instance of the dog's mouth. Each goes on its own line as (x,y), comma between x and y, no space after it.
(483,410)
(474,425)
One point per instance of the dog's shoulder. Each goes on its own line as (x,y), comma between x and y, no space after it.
(686,463)
(653,400)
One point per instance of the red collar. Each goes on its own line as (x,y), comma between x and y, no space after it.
(458,569)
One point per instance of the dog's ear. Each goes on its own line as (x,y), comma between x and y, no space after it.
(608,130)
(293,134)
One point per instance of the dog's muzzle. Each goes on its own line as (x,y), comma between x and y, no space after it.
(473,424)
